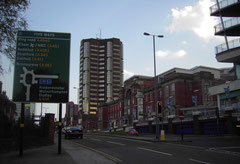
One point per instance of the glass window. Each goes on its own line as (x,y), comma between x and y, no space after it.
(189,86)
(160,93)
(172,87)
(150,96)
(166,91)
(238,71)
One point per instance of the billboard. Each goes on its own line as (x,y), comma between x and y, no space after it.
(41,71)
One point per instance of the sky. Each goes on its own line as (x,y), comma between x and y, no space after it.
(187,27)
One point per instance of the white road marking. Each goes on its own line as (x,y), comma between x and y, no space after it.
(225,147)
(221,150)
(194,160)
(95,139)
(129,139)
(197,147)
(154,151)
(116,143)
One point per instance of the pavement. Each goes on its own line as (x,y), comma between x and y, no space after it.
(73,153)
(152,137)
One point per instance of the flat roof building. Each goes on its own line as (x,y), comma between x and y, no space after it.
(101,73)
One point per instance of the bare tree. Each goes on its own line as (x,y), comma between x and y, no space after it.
(11,20)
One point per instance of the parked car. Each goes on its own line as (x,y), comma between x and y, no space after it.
(64,130)
(132,132)
(74,132)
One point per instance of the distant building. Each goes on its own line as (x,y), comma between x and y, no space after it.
(101,73)
(128,107)
(178,91)
(186,91)
(29,109)
(72,114)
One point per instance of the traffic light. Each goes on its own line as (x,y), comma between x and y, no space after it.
(159,108)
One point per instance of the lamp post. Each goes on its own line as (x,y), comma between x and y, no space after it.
(155,89)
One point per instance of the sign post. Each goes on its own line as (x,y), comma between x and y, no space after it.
(41,67)
(181,117)
(41,71)
(60,130)
(21,130)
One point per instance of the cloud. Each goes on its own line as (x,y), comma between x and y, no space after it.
(184,42)
(167,54)
(127,74)
(194,18)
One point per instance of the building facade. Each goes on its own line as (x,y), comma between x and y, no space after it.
(71,115)
(179,92)
(128,108)
(101,73)
(228,92)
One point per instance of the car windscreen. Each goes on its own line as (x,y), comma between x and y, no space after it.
(74,128)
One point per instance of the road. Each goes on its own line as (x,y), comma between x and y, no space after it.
(205,151)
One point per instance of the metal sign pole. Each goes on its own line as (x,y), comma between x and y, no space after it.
(181,131)
(60,130)
(21,126)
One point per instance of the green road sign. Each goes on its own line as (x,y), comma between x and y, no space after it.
(42,67)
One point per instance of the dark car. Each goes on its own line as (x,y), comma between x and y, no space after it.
(73,132)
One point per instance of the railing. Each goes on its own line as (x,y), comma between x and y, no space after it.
(222,4)
(227,24)
(223,47)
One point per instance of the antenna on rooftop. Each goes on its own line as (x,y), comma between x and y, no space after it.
(100,33)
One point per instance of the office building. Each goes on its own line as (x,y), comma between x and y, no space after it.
(101,73)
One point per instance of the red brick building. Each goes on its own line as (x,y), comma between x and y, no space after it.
(184,90)
(72,114)
(128,108)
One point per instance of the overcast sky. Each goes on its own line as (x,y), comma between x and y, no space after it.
(187,27)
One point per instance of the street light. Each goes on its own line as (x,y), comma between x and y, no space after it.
(155,88)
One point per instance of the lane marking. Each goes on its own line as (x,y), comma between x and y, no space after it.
(219,150)
(154,151)
(116,143)
(197,147)
(117,160)
(119,138)
(95,139)
(194,160)
(135,140)
(225,147)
